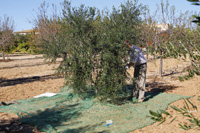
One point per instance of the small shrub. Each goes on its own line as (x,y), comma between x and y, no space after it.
(187,111)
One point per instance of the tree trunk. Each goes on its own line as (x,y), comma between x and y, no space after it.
(3,55)
(147,51)
(161,66)
(147,55)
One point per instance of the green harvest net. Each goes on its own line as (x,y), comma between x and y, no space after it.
(66,112)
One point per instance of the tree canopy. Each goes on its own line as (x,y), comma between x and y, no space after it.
(91,43)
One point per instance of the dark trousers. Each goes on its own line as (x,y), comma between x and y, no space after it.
(139,81)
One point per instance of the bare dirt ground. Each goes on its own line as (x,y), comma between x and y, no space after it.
(25,76)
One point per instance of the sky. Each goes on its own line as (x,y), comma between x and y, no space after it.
(23,11)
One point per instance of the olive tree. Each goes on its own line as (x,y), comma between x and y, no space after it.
(91,44)
(6,30)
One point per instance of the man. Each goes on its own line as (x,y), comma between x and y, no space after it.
(137,60)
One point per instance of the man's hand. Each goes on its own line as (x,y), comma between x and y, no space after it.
(128,44)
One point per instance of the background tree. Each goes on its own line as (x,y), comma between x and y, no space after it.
(48,27)
(6,30)
(149,31)
(197,18)
(25,43)
(176,24)
(181,38)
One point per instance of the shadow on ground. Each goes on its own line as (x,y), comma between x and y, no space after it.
(28,65)
(12,82)
(152,90)
(156,88)
(57,119)
(16,66)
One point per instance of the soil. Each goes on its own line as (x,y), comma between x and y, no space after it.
(25,76)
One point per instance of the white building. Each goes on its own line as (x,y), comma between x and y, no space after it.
(25,32)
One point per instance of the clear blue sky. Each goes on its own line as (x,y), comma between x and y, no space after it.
(23,10)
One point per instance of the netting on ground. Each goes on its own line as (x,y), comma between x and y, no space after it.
(66,112)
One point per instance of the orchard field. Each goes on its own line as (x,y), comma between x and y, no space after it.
(25,76)
(87,49)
